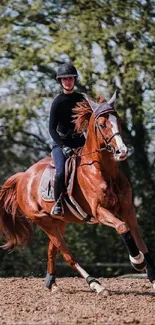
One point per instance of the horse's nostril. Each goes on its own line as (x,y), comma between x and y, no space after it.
(117,152)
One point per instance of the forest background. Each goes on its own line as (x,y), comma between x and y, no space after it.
(111,42)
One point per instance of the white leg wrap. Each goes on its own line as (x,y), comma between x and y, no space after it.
(137,259)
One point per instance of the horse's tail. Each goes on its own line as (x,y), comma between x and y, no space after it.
(13,224)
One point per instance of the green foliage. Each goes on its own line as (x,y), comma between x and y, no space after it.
(112,45)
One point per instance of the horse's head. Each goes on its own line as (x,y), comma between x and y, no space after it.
(108,129)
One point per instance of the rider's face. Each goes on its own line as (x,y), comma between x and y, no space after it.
(68,83)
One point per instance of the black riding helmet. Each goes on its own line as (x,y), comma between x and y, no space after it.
(66,70)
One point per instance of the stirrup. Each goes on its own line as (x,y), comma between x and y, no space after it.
(57,209)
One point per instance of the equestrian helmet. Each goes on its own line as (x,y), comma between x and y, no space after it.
(66,70)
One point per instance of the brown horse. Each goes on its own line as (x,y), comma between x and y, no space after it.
(100,189)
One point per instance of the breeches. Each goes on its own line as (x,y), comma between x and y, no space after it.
(59,162)
(58,156)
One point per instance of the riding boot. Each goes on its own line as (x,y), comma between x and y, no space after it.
(57,209)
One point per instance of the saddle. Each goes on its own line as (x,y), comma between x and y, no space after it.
(46,187)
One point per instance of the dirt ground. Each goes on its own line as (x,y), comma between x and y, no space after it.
(26,301)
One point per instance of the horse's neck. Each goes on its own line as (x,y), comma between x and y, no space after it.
(102,161)
(109,165)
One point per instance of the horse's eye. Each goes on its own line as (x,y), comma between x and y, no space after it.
(102,126)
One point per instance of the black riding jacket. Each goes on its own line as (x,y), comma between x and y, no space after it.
(61,127)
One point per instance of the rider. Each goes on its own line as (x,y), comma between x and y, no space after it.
(61,129)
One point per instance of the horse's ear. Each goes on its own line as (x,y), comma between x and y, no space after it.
(92,104)
(112,100)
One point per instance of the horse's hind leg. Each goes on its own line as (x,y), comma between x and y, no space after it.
(50,282)
(50,276)
(51,227)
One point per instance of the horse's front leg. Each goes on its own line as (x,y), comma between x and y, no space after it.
(136,256)
(105,217)
(128,214)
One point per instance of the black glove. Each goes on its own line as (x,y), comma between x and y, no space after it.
(67,151)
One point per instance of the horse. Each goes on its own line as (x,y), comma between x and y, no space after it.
(99,187)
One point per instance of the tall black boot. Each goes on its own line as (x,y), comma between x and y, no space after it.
(57,209)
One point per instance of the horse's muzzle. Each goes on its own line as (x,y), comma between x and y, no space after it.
(124,154)
(121,155)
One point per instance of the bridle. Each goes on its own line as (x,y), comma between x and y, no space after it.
(108,147)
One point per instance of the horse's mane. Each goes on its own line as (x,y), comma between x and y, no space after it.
(82,113)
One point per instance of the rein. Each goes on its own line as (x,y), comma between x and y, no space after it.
(89,153)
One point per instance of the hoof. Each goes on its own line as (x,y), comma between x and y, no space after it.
(49,280)
(96,286)
(139,267)
(104,292)
(55,289)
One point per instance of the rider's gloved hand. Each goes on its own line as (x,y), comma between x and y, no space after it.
(67,151)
